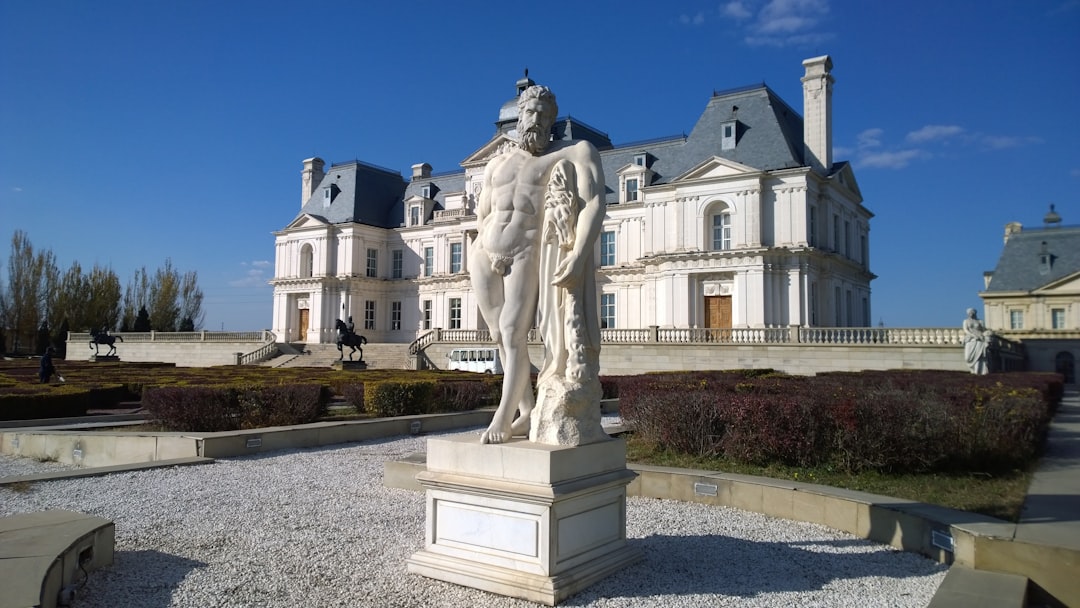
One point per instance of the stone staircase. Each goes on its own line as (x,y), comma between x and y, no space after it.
(376,355)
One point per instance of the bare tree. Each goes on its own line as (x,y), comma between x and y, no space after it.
(103,287)
(191,299)
(136,299)
(31,277)
(164,298)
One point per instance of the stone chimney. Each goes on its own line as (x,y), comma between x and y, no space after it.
(421,171)
(311,177)
(1012,228)
(817,113)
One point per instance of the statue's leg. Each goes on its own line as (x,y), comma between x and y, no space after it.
(515,319)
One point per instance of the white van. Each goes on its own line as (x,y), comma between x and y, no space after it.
(481,360)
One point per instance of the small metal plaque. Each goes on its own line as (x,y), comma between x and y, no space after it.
(253,442)
(414,427)
(76,454)
(15,441)
(704,489)
(942,540)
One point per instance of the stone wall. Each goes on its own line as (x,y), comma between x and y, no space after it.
(625,359)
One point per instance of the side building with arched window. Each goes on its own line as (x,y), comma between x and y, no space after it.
(746,221)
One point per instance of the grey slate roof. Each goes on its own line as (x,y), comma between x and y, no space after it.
(769,137)
(362,193)
(1021,266)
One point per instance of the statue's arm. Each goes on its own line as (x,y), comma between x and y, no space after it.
(483,205)
(590,220)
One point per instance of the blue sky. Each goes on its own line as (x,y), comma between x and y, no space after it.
(134,131)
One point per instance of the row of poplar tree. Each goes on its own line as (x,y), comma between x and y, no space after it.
(39,304)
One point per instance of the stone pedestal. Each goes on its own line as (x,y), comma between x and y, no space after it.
(349,365)
(533,521)
(103,358)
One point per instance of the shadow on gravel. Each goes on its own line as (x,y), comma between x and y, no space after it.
(145,578)
(737,568)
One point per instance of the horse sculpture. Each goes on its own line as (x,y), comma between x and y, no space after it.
(350,339)
(97,338)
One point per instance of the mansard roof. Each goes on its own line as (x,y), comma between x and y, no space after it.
(1021,266)
(359,192)
(769,136)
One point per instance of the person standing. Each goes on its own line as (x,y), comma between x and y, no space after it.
(47,368)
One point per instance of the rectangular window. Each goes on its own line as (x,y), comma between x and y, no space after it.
(455,313)
(811,229)
(847,239)
(836,233)
(864,250)
(414,215)
(427,314)
(813,305)
(631,189)
(396,257)
(1057,318)
(607,248)
(607,310)
(1016,319)
(369,314)
(455,258)
(395,316)
(429,261)
(850,309)
(721,232)
(373,263)
(837,305)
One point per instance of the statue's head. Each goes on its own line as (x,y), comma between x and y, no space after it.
(537,111)
(971,312)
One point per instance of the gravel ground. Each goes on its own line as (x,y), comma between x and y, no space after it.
(317,528)
(11,466)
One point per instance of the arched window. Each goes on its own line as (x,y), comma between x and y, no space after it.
(307,261)
(1065,364)
(721,229)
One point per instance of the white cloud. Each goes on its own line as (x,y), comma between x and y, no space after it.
(736,10)
(870,138)
(1001,142)
(255,276)
(781,23)
(932,132)
(16,189)
(697,19)
(889,160)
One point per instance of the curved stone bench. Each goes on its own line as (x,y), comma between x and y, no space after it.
(43,554)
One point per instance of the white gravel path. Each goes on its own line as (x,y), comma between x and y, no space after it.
(317,528)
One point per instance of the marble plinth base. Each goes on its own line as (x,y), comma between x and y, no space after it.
(103,358)
(349,365)
(538,522)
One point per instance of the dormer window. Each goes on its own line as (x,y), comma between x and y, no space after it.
(330,193)
(729,134)
(633,178)
(426,191)
(414,215)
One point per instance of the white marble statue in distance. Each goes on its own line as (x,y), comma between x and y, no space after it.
(538,216)
(976,343)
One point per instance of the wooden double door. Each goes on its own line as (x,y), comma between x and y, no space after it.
(718,312)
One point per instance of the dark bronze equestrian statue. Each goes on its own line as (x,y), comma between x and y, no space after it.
(97,338)
(345,337)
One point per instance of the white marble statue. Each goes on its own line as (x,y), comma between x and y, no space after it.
(539,214)
(976,343)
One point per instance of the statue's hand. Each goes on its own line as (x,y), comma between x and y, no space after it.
(568,272)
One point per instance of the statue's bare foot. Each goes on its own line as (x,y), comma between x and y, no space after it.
(520,426)
(494,436)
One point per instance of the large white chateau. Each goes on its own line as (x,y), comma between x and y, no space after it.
(745,222)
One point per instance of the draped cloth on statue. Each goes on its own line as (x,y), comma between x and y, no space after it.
(568,386)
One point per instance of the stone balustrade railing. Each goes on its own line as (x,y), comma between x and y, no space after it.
(944,336)
(183,336)
(450,214)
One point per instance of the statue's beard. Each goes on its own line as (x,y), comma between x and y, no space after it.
(534,141)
